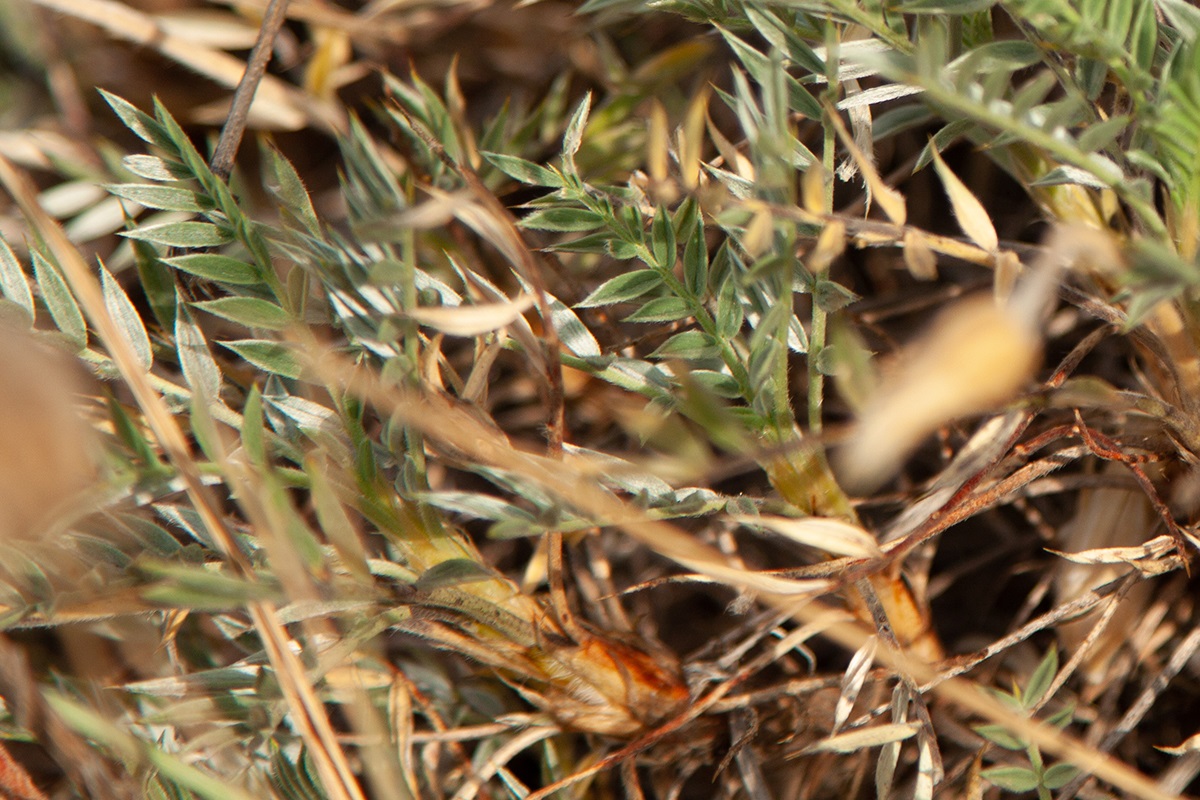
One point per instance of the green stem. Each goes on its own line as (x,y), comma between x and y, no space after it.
(704,319)
(816,335)
(414,443)
(1039,769)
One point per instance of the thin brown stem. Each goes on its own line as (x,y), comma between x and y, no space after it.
(243,96)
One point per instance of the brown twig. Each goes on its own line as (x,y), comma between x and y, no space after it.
(243,96)
(1107,449)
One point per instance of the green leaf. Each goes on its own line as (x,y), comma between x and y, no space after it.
(562,219)
(142,124)
(182,234)
(249,311)
(1067,175)
(1011,701)
(298,535)
(622,250)
(1042,678)
(1183,16)
(153,536)
(1004,56)
(196,164)
(955,7)
(898,120)
(1101,134)
(204,431)
(212,267)
(13,284)
(945,137)
(781,36)
(253,431)
(695,262)
(128,748)
(158,283)
(661,309)
(198,584)
(1092,74)
(525,171)
(127,318)
(832,296)
(274,357)
(157,790)
(289,189)
(718,383)
(308,415)
(155,168)
(188,520)
(591,243)
(1059,775)
(453,572)
(688,345)
(1012,779)
(135,438)
(763,69)
(294,781)
(622,288)
(59,301)
(165,198)
(1062,718)
(200,369)
(474,505)
(572,333)
(1002,737)
(730,314)
(1143,38)
(662,240)
(573,137)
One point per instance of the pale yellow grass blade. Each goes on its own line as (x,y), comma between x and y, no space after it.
(276,104)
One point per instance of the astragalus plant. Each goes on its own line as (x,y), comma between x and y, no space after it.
(660,440)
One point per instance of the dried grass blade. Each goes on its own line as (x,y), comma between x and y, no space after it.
(890,200)
(852,682)
(473,320)
(834,536)
(277,103)
(1152,558)
(875,736)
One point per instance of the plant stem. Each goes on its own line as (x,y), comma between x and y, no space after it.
(816,335)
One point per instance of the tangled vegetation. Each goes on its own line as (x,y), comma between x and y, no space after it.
(699,398)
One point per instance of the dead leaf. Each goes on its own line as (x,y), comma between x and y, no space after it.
(866,737)
(890,200)
(918,257)
(831,535)
(972,217)
(473,320)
